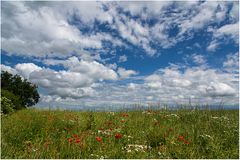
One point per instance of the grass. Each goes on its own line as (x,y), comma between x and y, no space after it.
(140,134)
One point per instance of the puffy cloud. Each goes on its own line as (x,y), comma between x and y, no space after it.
(45,30)
(8,69)
(181,82)
(220,89)
(154,82)
(197,83)
(87,12)
(207,12)
(231,65)
(67,63)
(154,85)
(231,31)
(186,19)
(75,82)
(132,86)
(25,69)
(132,30)
(46,98)
(50,79)
(95,69)
(153,77)
(74,93)
(232,61)
(123,73)
(91,68)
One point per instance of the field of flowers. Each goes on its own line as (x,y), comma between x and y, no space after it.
(132,134)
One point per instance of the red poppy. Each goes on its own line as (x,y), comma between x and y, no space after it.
(70,140)
(180,137)
(99,139)
(183,139)
(118,136)
(111,129)
(186,142)
(78,141)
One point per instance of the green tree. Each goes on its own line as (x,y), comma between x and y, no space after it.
(21,87)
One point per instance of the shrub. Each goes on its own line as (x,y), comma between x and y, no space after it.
(15,99)
(6,105)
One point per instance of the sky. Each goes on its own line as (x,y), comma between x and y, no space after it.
(122,53)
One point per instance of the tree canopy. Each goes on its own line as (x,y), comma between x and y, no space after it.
(17,89)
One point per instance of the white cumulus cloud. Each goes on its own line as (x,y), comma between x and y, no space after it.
(25,69)
(123,73)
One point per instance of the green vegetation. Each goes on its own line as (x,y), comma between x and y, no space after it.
(17,93)
(6,105)
(32,134)
(15,99)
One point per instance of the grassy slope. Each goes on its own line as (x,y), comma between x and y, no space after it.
(45,134)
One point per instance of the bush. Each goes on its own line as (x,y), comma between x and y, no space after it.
(15,99)
(6,105)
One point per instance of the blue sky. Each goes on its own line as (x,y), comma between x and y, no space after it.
(97,53)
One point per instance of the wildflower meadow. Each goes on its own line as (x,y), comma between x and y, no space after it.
(33,133)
